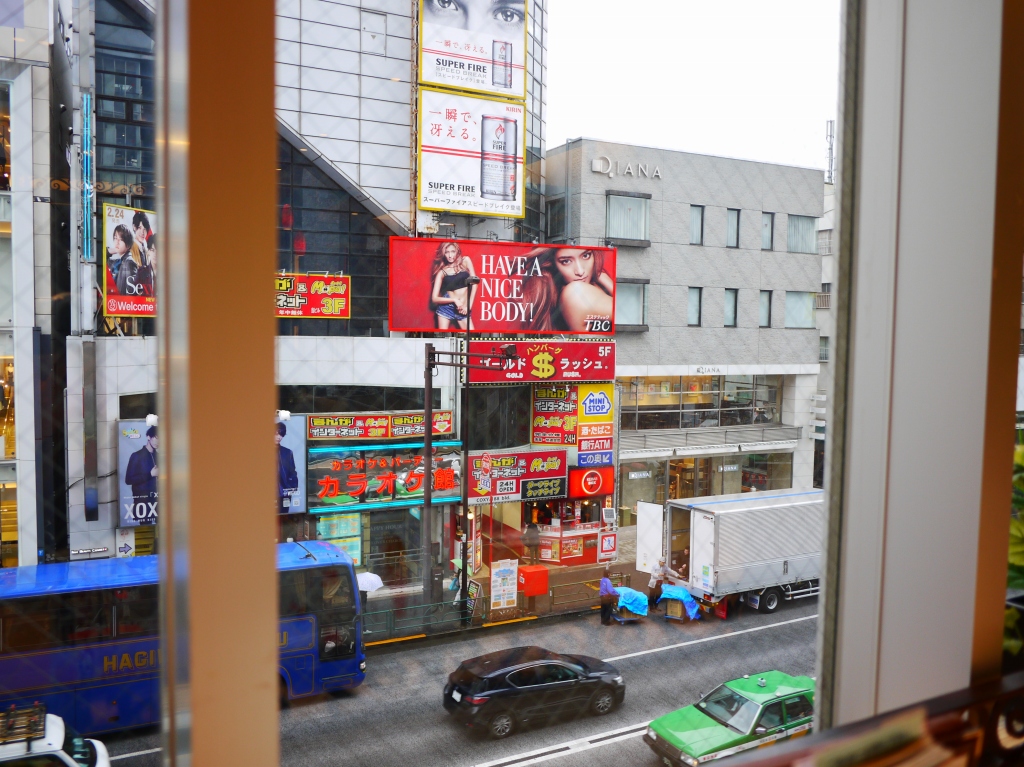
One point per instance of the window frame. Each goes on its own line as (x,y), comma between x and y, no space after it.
(771,231)
(729,231)
(735,293)
(761,296)
(700,306)
(700,240)
(786,317)
(644,326)
(630,242)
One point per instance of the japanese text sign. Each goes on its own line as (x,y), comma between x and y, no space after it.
(471,155)
(377,426)
(516,476)
(524,288)
(554,417)
(313,295)
(129,262)
(596,425)
(542,361)
(474,45)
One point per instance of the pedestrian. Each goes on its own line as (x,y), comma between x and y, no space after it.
(531,542)
(608,596)
(658,576)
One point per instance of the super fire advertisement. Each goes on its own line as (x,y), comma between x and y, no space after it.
(524,288)
(129,262)
(137,473)
(542,361)
(471,155)
(474,45)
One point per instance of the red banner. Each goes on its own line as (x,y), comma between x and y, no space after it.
(525,476)
(542,361)
(523,288)
(378,425)
(313,295)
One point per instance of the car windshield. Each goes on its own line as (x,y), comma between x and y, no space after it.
(77,748)
(730,708)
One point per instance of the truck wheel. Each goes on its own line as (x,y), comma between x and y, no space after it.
(770,600)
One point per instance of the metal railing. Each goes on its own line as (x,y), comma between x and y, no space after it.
(822,300)
(822,354)
(660,439)
(396,568)
(583,591)
(437,618)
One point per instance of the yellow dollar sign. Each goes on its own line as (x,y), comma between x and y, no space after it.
(542,367)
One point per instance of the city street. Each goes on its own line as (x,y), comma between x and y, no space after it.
(396,717)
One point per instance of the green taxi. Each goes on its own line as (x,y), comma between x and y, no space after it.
(754,711)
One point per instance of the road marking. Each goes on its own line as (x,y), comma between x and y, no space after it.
(711,638)
(134,753)
(572,746)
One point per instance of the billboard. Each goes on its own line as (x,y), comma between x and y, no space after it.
(376,426)
(129,262)
(542,361)
(474,45)
(554,417)
(318,296)
(524,288)
(290,438)
(518,476)
(471,155)
(137,473)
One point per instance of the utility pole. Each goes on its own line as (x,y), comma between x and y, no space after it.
(426,532)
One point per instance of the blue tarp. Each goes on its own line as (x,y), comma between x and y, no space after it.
(632,600)
(678,592)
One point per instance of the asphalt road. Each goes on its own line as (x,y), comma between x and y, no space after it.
(396,717)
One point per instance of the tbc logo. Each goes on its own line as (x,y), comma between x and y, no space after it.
(597,403)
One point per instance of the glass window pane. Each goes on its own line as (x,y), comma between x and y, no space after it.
(803,234)
(765,309)
(627,217)
(696,224)
(732,236)
(629,303)
(799,309)
(731,301)
(767,230)
(693,307)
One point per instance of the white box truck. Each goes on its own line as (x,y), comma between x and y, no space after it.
(761,547)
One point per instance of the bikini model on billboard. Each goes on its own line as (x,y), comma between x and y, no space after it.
(451,293)
(571,289)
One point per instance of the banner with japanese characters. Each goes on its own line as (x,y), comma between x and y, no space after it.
(378,425)
(471,155)
(313,295)
(350,477)
(596,425)
(524,288)
(517,476)
(129,261)
(504,583)
(474,45)
(542,361)
(554,418)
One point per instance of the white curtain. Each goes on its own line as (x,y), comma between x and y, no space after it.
(732,237)
(731,296)
(803,234)
(629,303)
(765,320)
(767,227)
(693,307)
(627,217)
(799,309)
(696,224)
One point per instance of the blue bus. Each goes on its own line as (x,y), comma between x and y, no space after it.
(83,637)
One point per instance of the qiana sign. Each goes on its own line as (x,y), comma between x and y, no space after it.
(377,425)
(524,288)
(519,476)
(542,362)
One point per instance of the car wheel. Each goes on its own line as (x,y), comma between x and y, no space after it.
(602,702)
(282,692)
(770,600)
(501,725)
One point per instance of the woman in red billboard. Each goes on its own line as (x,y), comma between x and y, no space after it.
(451,293)
(572,292)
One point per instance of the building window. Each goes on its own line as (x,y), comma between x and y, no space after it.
(696,224)
(826,287)
(627,218)
(823,349)
(765,315)
(689,402)
(693,307)
(799,309)
(731,302)
(556,219)
(732,234)
(825,242)
(803,234)
(630,303)
(767,231)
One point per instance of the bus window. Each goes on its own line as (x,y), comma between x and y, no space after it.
(337,588)
(91,617)
(32,624)
(137,611)
(292,593)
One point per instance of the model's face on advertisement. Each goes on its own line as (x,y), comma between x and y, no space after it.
(140,232)
(277,438)
(503,19)
(575,265)
(119,247)
(153,442)
(450,253)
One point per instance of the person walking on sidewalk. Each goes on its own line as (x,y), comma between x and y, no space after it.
(608,597)
(658,576)
(531,542)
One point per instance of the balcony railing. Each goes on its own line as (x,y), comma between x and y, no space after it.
(823,301)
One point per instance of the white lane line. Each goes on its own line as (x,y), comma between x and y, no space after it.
(711,638)
(135,753)
(569,747)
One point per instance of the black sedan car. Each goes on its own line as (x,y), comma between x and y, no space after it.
(502,690)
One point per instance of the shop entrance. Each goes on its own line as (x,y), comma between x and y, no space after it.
(689,478)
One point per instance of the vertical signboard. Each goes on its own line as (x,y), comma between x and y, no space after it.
(137,472)
(596,425)
(504,583)
(290,438)
(554,418)
(474,45)
(129,262)
(471,155)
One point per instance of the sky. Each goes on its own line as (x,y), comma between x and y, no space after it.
(735,78)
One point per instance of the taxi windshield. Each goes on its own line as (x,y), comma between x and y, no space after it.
(730,708)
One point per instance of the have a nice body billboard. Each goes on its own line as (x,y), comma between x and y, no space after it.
(524,288)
